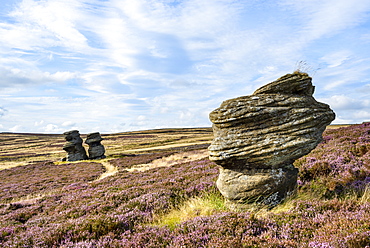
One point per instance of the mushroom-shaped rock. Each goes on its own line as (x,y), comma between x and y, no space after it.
(96,149)
(74,147)
(258,137)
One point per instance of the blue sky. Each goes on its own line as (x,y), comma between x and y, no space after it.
(122,65)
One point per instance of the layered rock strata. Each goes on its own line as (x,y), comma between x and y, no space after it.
(74,147)
(258,137)
(96,149)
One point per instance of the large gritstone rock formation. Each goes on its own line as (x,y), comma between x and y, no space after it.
(74,147)
(258,137)
(96,149)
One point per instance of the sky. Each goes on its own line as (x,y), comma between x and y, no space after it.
(124,65)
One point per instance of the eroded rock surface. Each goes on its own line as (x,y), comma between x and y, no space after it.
(96,149)
(258,137)
(74,147)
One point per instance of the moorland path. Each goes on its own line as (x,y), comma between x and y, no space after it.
(182,157)
(110,170)
(166,161)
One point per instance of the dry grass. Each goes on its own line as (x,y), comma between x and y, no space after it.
(166,147)
(335,126)
(366,195)
(207,205)
(8,165)
(143,141)
(177,158)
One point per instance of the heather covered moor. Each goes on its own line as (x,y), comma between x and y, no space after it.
(46,203)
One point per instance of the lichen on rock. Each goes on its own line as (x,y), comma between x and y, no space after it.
(258,137)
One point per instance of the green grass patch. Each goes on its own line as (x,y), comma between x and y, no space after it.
(206,205)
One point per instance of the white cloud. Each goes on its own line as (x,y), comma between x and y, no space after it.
(337,58)
(347,74)
(24,37)
(116,65)
(348,109)
(68,124)
(60,76)
(78,113)
(339,120)
(16,128)
(342,102)
(141,118)
(51,128)
(55,18)
(39,123)
(2,111)
(13,76)
(362,114)
(329,17)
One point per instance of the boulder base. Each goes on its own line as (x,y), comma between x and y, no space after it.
(250,186)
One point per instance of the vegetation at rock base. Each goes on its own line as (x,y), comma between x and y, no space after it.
(54,204)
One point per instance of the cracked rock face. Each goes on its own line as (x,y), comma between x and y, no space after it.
(74,147)
(258,137)
(96,149)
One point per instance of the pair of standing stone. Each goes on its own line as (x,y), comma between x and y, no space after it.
(76,151)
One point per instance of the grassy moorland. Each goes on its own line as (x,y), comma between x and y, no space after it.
(161,193)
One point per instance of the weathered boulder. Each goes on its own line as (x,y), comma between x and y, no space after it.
(258,137)
(96,149)
(74,147)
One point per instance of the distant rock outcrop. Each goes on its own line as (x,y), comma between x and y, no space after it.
(74,147)
(258,137)
(96,149)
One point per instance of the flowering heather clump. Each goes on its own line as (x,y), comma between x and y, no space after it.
(340,164)
(41,177)
(336,223)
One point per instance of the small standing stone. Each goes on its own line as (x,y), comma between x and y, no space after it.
(96,149)
(74,147)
